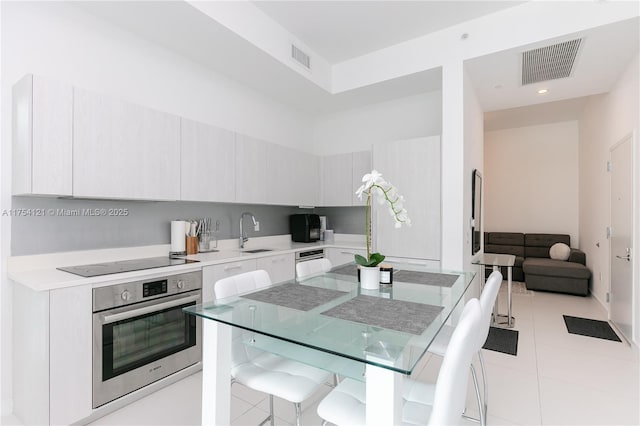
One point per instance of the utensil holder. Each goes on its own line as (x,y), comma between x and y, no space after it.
(192,245)
(204,241)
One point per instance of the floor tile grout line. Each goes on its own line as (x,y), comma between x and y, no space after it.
(535,348)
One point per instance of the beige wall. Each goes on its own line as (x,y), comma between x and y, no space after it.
(531,179)
(606,120)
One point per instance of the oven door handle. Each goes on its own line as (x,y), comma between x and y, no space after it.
(108,319)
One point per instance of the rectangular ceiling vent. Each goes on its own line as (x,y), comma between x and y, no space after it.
(300,57)
(549,62)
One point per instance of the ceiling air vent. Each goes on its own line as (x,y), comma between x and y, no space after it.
(549,62)
(300,57)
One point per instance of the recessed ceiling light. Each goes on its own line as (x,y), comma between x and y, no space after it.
(464,36)
(542,91)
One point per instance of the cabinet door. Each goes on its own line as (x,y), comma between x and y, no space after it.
(207,163)
(211,274)
(42,137)
(280,185)
(280,267)
(252,181)
(341,256)
(413,167)
(361,166)
(70,354)
(122,150)
(305,179)
(337,182)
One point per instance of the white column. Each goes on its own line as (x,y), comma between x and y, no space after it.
(216,373)
(453,226)
(384,396)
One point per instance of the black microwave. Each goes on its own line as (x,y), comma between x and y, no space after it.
(305,228)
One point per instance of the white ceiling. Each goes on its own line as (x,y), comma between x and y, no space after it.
(605,53)
(341,30)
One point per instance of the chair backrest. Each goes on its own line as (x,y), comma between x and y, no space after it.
(312,267)
(232,286)
(451,387)
(241,283)
(487,300)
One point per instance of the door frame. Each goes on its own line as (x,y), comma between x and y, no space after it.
(635,240)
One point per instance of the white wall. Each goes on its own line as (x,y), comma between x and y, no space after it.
(473,159)
(606,120)
(62,42)
(358,128)
(531,179)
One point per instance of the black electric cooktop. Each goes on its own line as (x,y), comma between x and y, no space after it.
(117,267)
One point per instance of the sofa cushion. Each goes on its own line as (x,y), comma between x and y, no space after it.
(505,238)
(555,268)
(504,249)
(577,256)
(537,245)
(559,251)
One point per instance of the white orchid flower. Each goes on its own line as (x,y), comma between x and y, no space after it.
(371,178)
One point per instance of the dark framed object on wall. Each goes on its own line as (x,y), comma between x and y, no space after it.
(476,211)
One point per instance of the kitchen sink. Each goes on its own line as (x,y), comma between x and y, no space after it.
(256,250)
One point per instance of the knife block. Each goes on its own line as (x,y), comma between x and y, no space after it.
(192,245)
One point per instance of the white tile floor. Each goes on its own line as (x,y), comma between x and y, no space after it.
(556,379)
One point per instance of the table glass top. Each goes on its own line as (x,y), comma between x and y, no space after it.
(494,259)
(342,343)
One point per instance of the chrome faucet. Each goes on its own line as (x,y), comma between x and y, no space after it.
(243,235)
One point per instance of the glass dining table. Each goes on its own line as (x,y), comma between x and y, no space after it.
(329,322)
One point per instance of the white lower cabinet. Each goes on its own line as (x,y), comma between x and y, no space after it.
(211,274)
(52,350)
(280,267)
(341,256)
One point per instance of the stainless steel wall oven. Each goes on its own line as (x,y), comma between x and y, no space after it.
(141,335)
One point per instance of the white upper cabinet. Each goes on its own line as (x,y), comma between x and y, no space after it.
(207,163)
(341,175)
(361,166)
(337,180)
(252,180)
(267,173)
(413,167)
(305,179)
(42,137)
(123,150)
(280,187)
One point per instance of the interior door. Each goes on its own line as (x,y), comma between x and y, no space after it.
(621,265)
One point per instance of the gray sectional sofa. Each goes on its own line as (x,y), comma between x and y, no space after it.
(533,265)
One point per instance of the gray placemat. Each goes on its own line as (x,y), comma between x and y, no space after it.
(349,269)
(295,296)
(398,315)
(429,278)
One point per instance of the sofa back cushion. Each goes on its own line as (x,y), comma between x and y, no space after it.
(538,245)
(504,243)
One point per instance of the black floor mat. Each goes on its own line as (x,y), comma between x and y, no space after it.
(502,340)
(591,328)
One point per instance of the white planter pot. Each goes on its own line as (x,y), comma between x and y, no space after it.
(370,277)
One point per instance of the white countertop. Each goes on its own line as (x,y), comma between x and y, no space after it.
(39,273)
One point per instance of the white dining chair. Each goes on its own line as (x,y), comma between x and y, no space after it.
(312,267)
(441,342)
(264,371)
(422,403)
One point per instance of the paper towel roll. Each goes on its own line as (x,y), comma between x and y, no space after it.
(178,237)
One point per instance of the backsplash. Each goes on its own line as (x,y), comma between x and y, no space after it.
(66,224)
